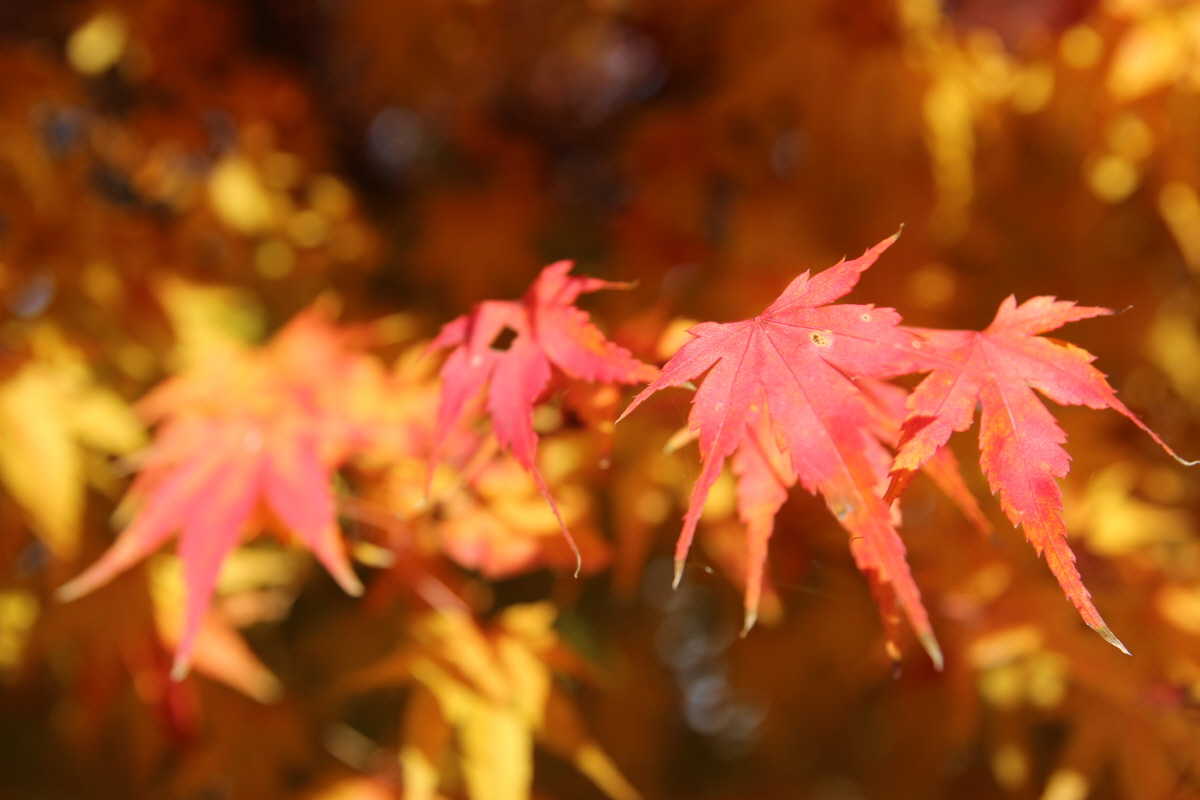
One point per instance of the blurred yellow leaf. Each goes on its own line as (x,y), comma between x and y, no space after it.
(97,44)
(494,689)
(497,752)
(220,653)
(239,196)
(209,321)
(1081,47)
(426,738)
(1180,605)
(1180,209)
(357,788)
(1116,522)
(18,612)
(490,516)
(50,410)
(1112,177)
(1015,669)
(1066,784)
(39,460)
(1149,57)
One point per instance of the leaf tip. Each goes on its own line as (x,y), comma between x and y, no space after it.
(680,438)
(267,689)
(748,621)
(181,667)
(353,587)
(68,592)
(88,581)
(896,487)
(344,575)
(1108,636)
(544,491)
(930,643)
(570,541)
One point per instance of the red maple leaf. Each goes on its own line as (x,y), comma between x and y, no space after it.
(764,477)
(248,441)
(781,397)
(1020,442)
(887,402)
(511,346)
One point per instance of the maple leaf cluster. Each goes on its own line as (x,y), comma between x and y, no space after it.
(784,398)
(792,395)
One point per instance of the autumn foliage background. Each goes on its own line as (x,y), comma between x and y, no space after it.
(230,229)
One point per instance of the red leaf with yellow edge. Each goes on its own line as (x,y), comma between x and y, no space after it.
(248,441)
(512,348)
(790,372)
(1020,442)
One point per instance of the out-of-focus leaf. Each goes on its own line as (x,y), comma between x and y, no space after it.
(357,789)
(246,441)
(494,688)
(39,457)
(51,413)
(18,612)
(210,322)
(219,652)
(497,523)
(1114,521)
